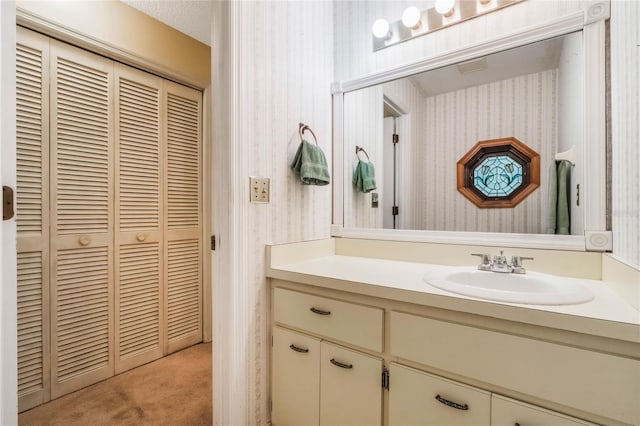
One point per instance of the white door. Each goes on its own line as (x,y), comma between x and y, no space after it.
(82,218)
(183,224)
(139,218)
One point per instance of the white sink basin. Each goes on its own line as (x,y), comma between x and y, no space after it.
(531,288)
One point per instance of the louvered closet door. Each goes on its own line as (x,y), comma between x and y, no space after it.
(139,219)
(82,219)
(32,131)
(183,226)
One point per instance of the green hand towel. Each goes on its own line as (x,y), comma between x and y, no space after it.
(552,205)
(559,214)
(563,216)
(310,164)
(364,177)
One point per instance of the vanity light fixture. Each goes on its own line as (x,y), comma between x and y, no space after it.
(380,29)
(416,23)
(445,8)
(411,18)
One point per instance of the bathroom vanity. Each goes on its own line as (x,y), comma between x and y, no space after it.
(365,341)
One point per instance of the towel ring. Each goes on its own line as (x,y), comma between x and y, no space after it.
(359,148)
(301,130)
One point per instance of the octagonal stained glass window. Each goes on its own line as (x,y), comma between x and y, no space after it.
(497,176)
(498,173)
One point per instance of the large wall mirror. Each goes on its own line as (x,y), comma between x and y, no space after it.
(406,136)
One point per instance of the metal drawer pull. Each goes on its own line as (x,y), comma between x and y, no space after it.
(340,364)
(451,403)
(320,311)
(297,349)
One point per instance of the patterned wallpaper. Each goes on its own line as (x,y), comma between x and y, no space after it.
(363,127)
(625,100)
(523,107)
(278,73)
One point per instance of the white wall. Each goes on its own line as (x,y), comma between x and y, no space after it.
(625,92)
(273,67)
(8,284)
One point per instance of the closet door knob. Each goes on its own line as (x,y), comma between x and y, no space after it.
(84,240)
(141,237)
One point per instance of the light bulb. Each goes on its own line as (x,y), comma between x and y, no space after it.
(381,29)
(411,17)
(445,7)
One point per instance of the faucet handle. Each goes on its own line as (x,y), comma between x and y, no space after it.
(516,264)
(517,260)
(485,262)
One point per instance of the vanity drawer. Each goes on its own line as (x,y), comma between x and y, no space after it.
(509,412)
(347,322)
(547,371)
(418,398)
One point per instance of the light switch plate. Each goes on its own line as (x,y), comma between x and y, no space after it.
(259,189)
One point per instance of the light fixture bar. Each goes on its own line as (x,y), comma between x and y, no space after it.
(431,21)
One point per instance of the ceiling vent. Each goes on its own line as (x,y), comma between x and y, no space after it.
(474,65)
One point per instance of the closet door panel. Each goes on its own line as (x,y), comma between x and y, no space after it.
(81,219)
(32,146)
(139,218)
(183,227)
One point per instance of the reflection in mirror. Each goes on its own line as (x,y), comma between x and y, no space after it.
(533,93)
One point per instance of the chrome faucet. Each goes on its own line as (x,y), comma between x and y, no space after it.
(500,264)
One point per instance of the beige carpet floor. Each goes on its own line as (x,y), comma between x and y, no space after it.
(175,390)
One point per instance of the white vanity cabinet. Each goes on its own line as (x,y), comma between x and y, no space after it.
(509,412)
(418,398)
(330,348)
(316,380)
(590,381)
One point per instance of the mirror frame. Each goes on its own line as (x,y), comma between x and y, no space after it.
(593,195)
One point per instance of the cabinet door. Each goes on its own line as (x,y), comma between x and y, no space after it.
(350,387)
(509,412)
(418,398)
(295,379)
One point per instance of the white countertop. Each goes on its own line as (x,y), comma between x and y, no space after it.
(607,315)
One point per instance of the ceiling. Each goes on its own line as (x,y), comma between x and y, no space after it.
(192,17)
(510,63)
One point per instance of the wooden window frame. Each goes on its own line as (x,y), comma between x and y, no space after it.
(511,147)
